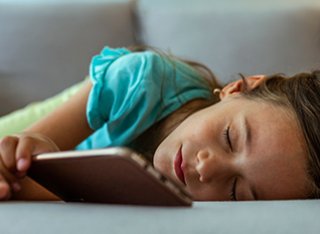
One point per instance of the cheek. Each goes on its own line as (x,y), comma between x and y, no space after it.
(210,192)
(197,128)
(196,132)
(161,159)
(203,133)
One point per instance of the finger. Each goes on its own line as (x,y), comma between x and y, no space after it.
(6,174)
(15,186)
(7,151)
(5,191)
(24,151)
(32,144)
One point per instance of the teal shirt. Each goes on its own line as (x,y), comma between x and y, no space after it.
(133,90)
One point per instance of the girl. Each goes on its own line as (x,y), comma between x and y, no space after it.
(259,141)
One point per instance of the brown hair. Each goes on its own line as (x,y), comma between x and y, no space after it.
(301,94)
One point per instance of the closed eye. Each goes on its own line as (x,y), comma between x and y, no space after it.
(233,193)
(227,137)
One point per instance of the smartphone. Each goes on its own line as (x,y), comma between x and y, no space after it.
(112,175)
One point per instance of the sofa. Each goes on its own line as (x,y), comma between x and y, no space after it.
(46,46)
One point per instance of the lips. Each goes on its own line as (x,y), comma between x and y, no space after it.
(178,166)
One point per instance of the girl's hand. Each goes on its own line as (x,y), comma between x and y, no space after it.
(15,159)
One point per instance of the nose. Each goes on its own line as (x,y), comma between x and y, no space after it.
(210,166)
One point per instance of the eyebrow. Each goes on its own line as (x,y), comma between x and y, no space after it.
(248,141)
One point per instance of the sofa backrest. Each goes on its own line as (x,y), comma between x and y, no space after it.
(231,37)
(46,46)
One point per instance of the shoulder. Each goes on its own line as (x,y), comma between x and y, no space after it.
(145,61)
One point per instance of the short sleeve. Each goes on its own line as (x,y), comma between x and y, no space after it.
(132,91)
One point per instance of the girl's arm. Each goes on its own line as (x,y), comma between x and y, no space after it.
(62,129)
(67,126)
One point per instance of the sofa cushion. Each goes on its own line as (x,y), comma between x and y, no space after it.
(249,37)
(46,47)
(263,217)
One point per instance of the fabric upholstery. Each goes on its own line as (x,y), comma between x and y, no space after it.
(46,47)
(249,37)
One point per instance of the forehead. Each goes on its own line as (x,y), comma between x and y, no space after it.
(277,158)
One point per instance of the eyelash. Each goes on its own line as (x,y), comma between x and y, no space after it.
(228,141)
(233,191)
(227,137)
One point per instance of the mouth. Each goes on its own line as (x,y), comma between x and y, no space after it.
(178,166)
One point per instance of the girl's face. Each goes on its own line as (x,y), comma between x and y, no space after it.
(237,149)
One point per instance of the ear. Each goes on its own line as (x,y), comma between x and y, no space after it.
(238,86)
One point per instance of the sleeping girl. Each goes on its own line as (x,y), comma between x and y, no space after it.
(254,139)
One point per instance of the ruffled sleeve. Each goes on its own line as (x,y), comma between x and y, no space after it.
(125,98)
(102,96)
